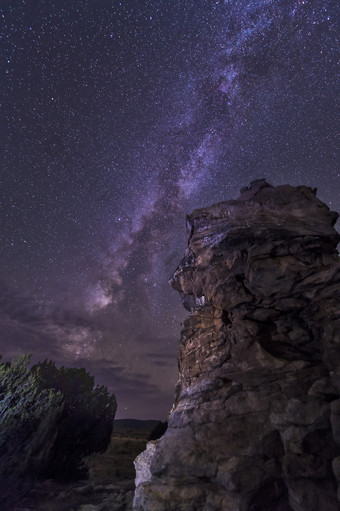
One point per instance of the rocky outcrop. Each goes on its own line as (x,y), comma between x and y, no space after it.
(256,421)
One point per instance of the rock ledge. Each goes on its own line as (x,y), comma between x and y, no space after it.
(256,421)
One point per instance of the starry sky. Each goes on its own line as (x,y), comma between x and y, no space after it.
(119,118)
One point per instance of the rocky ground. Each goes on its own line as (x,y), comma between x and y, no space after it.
(110,486)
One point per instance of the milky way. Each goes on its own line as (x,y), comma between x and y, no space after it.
(119,118)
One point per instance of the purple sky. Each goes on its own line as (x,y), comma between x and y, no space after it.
(118,119)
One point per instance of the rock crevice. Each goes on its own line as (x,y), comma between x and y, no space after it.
(256,421)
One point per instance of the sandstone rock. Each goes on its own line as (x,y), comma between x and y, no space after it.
(256,421)
(142,463)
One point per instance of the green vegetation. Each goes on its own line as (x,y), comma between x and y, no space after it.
(50,419)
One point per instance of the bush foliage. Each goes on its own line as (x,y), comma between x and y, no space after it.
(50,419)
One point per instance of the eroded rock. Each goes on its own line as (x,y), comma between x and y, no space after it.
(256,421)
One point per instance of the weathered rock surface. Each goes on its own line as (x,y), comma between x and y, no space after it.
(256,420)
(51,495)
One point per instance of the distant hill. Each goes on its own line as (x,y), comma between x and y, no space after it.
(133,424)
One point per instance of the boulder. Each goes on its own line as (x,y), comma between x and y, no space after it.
(255,424)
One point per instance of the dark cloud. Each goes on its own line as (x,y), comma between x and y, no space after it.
(162,359)
(130,388)
(68,337)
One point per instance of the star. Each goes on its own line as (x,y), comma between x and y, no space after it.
(120,118)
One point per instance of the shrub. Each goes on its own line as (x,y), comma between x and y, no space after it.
(86,422)
(50,419)
(27,427)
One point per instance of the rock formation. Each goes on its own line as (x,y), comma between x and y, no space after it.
(256,421)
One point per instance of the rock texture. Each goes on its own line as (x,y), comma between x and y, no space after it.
(256,420)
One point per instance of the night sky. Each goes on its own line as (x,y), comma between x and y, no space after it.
(118,118)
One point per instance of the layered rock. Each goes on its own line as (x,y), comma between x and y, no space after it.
(256,421)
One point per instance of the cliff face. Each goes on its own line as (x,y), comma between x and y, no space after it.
(256,420)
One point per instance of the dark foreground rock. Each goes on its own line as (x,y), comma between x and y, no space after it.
(51,496)
(256,421)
